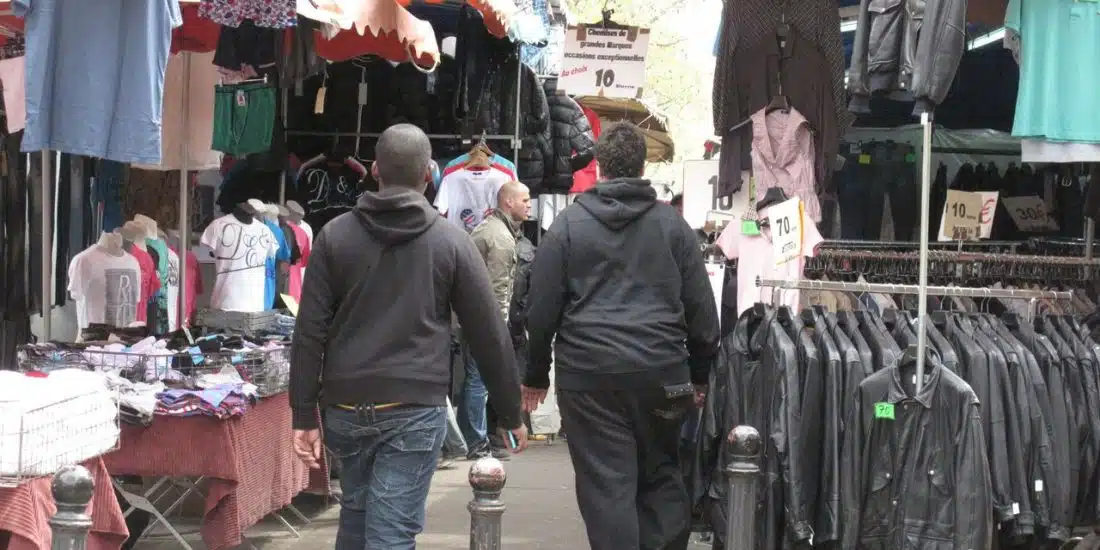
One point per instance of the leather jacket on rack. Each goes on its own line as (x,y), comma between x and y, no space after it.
(827,520)
(802,470)
(915,470)
(909,49)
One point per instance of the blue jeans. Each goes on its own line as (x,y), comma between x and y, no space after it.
(387,457)
(471,408)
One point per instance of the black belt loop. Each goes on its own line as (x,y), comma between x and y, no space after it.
(373,418)
(359,414)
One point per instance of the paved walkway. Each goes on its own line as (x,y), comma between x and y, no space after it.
(542,511)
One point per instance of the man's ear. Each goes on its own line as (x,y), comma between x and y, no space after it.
(374,171)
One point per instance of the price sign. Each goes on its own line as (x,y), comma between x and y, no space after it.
(604,62)
(1030,214)
(962,216)
(786,223)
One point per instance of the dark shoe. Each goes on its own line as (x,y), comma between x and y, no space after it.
(479,450)
(445,463)
(501,454)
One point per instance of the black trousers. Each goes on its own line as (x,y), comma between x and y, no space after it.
(625,448)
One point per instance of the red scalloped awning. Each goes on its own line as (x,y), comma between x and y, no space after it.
(386,29)
(497,13)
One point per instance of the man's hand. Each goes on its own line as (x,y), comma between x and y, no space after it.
(700,396)
(520,435)
(307,445)
(532,398)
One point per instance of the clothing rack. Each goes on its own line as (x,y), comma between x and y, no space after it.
(956,256)
(841,243)
(882,288)
(976,151)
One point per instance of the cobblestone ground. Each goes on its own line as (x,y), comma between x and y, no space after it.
(542,511)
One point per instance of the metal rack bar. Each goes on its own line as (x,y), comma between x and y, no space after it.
(972,151)
(841,243)
(376,135)
(955,256)
(883,288)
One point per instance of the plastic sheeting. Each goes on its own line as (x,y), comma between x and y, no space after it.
(959,139)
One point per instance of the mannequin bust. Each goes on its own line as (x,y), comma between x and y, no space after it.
(134,233)
(149,225)
(271,213)
(296,211)
(112,243)
(257,206)
(284,212)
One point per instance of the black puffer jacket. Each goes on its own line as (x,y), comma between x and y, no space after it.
(572,141)
(498,115)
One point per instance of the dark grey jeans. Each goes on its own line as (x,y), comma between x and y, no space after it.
(388,457)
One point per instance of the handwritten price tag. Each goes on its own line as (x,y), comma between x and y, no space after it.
(786,223)
(962,216)
(1030,214)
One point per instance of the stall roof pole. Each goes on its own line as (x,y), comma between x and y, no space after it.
(922,277)
(47,243)
(185,196)
(519,86)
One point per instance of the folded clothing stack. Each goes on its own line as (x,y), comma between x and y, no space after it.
(220,401)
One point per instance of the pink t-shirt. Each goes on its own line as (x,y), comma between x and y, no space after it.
(783,157)
(150,280)
(756,258)
(194,286)
(304,248)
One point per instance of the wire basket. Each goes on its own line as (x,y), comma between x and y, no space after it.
(240,322)
(267,368)
(38,439)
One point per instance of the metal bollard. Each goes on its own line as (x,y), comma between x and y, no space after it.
(72,490)
(743,472)
(487,478)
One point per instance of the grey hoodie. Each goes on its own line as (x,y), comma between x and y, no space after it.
(374,322)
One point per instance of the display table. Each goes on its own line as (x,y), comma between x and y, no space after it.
(25,512)
(247,462)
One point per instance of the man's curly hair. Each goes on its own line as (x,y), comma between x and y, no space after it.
(621,151)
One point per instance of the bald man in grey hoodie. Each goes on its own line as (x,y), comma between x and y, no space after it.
(372,345)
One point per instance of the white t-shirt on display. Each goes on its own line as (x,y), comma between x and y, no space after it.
(240,258)
(172,290)
(756,258)
(105,286)
(467,195)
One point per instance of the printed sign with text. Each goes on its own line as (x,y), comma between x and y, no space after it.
(968,216)
(785,219)
(1030,214)
(604,62)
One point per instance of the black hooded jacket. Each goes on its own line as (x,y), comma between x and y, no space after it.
(374,322)
(620,280)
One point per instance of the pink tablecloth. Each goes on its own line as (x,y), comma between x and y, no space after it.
(249,463)
(26,510)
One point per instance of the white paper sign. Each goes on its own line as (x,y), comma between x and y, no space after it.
(604,62)
(717,275)
(1030,214)
(785,219)
(985,217)
(700,203)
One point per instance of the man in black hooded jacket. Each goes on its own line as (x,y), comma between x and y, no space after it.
(619,280)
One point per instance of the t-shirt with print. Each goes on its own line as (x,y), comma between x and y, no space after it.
(240,252)
(106,287)
(194,287)
(330,190)
(95,77)
(467,195)
(172,289)
(756,259)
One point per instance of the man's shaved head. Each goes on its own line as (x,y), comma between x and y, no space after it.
(402,157)
(514,200)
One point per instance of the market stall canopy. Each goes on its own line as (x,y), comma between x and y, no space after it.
(659,145)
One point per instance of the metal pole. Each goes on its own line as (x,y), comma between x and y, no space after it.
(487,478)
(185,194)
(519,86)
(72,488)
(742,473)
(282,177)
(47,243)
(922,277)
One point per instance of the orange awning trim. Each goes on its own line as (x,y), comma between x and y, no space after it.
(385,29)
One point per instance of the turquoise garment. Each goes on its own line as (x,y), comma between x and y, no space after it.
(1059,69)
(282,255)
(159,322)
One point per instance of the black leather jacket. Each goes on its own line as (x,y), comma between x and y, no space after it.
(915,469)
(909,49)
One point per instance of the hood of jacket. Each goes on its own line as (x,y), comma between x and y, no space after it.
(617,203)
(395,215)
